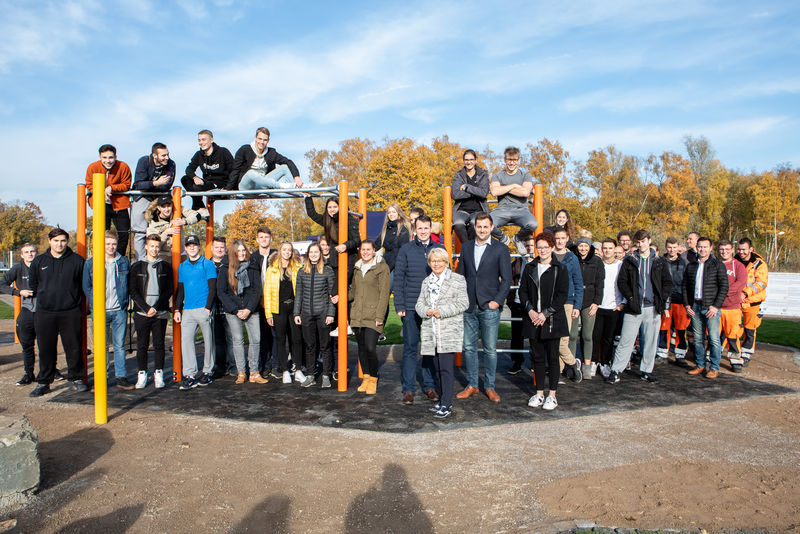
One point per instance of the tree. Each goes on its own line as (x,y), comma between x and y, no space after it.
(243,221)
(20,222)
(673,193)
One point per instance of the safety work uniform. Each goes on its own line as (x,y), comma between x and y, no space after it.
(755,293)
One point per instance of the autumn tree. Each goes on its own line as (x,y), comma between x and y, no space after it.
(672,191)
(20,222)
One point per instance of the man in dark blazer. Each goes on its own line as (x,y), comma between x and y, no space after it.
(486,265)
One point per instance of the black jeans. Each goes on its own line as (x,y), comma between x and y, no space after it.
(48,327)
(464,225)
(268,348)
(144,327)
(26,332)
(444,363)
(188,184)
(606,325)
(122,223)
(517,341)
(222,359)
(367,349)
(314,328)
(288,332)
(544,353)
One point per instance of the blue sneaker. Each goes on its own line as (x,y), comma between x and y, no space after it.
(435,408)
(79,386)
(188,383)
(443,412)
(205,380)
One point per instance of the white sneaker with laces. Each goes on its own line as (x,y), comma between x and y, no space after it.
(550,403)
(536,401)
(158,377)
(593,372)
(287,377)
(141,380)
(299,376)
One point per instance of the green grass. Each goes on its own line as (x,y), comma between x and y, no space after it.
(6,311)
(780,332)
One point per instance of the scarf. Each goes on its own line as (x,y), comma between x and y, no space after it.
(435,286)
(242,278)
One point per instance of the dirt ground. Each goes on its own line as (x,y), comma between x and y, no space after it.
(720,466)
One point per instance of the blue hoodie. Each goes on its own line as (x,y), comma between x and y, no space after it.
(575,296)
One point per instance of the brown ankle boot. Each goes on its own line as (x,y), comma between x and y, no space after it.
(241,377)
(364,381)
(372,385)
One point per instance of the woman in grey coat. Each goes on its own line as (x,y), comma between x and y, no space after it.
(441,304)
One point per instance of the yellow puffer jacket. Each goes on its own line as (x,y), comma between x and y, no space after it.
(757,276)
(272,284)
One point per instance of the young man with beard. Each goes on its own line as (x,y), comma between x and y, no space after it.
(215,163)
(118,180)
(55,279)
(624,241)
(223,342)
(469,190)
(646,284)
(15,282)
(268,349)
(730,321)
(677,317)
(753,294)
(257,166)
(705,286)
(154,174)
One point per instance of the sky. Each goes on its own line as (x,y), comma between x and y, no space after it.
(75,74)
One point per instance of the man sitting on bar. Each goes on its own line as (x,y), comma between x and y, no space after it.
(257,166)
(215,163)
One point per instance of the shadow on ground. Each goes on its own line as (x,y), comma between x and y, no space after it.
(290,404)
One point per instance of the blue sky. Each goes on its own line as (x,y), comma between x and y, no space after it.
(77,74)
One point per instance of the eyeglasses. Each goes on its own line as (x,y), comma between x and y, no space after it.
(438,261)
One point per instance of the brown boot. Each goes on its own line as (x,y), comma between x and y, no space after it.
(372,385)
(364,383)
(256,378)
(240,379)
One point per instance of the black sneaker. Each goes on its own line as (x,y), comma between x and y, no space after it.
(613,377)
(188,383)
(435,408)
(205,380)
(216,375)
(79,386)
(515,369)
(335,376)
(58,376)
(737,368)
(122,383)
(25,380)
(681,362)
(443,412)
(577,375)
(648,377)
(275,373)
(41,389)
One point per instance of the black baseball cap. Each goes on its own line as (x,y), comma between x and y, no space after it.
(192,240)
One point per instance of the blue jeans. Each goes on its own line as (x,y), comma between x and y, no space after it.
(271,180)
(411,326)
(701,323)
(487,323)
(116,325)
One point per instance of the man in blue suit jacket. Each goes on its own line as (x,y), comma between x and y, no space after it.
(486,264)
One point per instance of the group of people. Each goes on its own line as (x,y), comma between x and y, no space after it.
(582,305)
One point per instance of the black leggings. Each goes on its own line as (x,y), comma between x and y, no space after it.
(287,331)
(544,353)
(606,325)
(367,349)
(144,327)
(26,332)
(314,329)
(122,223)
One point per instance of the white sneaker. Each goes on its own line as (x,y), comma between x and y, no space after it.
(287,377)
(158,377)
(335,332)
(299,376)
(550,403)
(287,185)
(312,185)
(593,372)
(605,370)
(536,401)
(141,380)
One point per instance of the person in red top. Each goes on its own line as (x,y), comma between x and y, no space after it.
(730,323)
(118,180)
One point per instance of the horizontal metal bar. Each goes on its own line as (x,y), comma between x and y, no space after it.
(297,192)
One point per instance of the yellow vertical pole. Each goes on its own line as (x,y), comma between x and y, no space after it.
(342,339)
(210,228)
(177,241)
(80,238)
(99,298)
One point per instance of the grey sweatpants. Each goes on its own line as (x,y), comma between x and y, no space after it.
(190,321)
(650,322)
(253,336)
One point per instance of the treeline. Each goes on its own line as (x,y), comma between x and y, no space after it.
(667,193)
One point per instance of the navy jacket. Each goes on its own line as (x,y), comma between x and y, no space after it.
(145,172)
(231,301)
(492,280)
(410,270)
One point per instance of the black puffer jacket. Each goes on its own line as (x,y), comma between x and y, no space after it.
(353,236)
(137,286)
(628,283)
(715,283)
(594,275)
(313,292)
(392,242)
(248,300)
(677,268)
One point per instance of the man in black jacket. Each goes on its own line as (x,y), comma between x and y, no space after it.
(268,348)
(645,282)
(258,167)
(155,173)
(56,278)
(486,266)
(469,190)
(150,286)
(705,286)
(677,318)
(223,342)
(15,282)
(216,164)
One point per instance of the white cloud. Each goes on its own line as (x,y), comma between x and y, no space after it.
(195,9)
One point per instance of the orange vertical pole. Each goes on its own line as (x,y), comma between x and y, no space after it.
(362,232)
(538,204)
(80,238)
(177,367)
(209,228)
(448,239)
(342,339)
